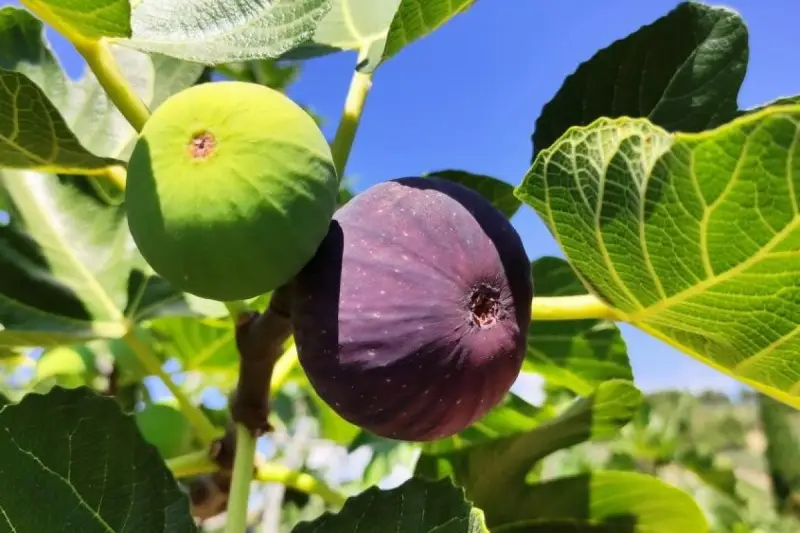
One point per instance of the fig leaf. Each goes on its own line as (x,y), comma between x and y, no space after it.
(690,85)
(416,506)
(97,477)
(670,229)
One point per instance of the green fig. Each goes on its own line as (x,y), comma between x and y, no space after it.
(231,189)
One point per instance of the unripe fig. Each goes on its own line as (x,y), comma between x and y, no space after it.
(411,319)
(231,188)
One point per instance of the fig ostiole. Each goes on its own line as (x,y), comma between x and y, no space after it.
(231,188)
(411,319)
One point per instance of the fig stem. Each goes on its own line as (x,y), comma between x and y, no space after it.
(243,465)
(99,58)
(584,306)
(206,431)
(342,143)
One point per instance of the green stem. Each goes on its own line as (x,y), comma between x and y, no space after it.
(342,143)
(199,462)
(192,464)
(102,62)
(206,431)
(243,465)
(277,473)
(581,307)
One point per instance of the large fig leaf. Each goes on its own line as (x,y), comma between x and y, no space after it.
(576,354)
(692,237)
(377,29)
(218,31)
(416,506)
(690,85)
(64,262)
(83,467)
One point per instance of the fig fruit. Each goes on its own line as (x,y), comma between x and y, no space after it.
(231,188)
(411,319)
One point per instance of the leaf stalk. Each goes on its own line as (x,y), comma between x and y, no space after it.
(582,307)
(105,67)
(342,143)
(205,430)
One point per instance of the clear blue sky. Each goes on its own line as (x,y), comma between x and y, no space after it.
(467,96)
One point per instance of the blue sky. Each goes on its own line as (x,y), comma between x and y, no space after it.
(467,97)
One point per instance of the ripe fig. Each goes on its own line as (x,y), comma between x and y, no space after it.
(231,189)
(411,319)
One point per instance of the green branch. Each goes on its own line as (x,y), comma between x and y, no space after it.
(277,473)
(206,431)
(585,306)
(342,143)
(100,59)
(198,463)
(243,465)
(192,464)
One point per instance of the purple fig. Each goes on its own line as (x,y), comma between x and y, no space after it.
(411,319)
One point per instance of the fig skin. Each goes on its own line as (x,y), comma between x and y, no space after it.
(231,188)
(411,319)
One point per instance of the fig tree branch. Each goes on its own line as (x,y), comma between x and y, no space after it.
(342,142)
(206,431)
(243,465)
(201,463)
(259,339)
(580,307)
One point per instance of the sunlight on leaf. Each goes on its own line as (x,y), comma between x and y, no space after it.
(217,31)
(85,19)
(632,502)
(693,237)
(359,25)
(416,18)
(377,29)
(99,476)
